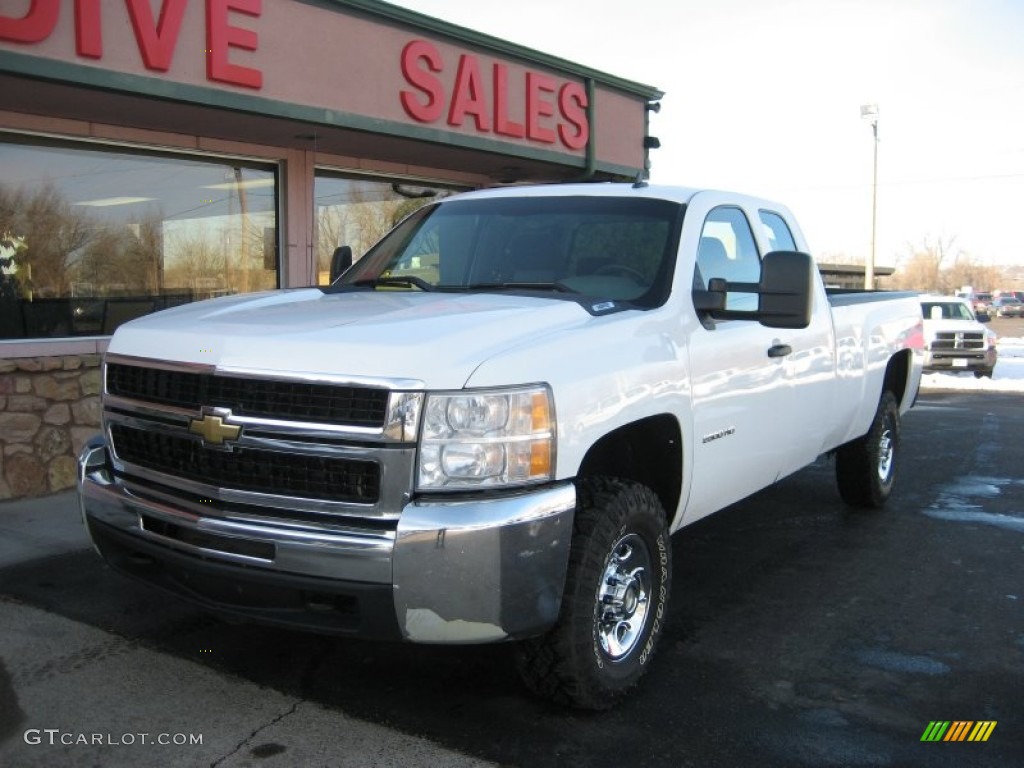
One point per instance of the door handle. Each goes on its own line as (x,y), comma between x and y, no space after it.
(779,350)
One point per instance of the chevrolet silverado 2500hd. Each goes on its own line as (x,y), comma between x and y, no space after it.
(487,428)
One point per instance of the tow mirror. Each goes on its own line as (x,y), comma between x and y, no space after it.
(786,289)
(341,260)
(784,294)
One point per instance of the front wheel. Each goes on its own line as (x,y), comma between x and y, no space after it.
(615,601)
(866,467)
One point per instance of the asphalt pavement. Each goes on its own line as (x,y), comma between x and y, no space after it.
(81,687)
(800,634)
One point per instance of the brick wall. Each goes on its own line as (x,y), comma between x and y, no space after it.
(49,406)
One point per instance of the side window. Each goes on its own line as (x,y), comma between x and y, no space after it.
(777,230)
(727,249)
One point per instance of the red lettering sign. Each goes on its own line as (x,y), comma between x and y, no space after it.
(502,124)
(157,39)
(554,112)
(572,102)
(35,26)
(419,60)
(468,97)
(88,29)
(539,86)
(220,36)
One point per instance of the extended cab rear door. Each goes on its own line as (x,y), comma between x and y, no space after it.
(740,397)
(760,396)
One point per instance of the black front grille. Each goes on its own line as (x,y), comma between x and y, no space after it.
(262,398)
(966,340)
(249,469)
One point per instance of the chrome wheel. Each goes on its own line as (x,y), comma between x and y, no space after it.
(623,598)
(866,467)
(615,601)
(886,454)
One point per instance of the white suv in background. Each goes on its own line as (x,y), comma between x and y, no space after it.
(954,339)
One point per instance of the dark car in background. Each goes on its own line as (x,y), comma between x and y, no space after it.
(1006,306)
(980,301)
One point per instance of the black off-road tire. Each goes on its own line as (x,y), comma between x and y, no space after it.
(615,602)
(866,467)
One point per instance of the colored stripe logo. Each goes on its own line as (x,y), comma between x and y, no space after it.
(958,730)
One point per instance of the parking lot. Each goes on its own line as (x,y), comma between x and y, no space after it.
(800,635)
(1007,327)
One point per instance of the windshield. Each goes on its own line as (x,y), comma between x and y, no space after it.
(570,247)
(946,310)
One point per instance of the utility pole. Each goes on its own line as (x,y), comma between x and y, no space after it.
(870,112)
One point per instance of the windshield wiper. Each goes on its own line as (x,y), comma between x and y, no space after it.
(555,286)
(411,280)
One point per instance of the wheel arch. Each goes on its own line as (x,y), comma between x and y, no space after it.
(897,375)
(648,451)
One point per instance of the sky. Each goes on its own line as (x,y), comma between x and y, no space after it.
(764,97)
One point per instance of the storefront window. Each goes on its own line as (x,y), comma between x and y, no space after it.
(91,238)
(358,212)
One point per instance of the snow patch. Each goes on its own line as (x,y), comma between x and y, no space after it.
(1007,377)
(955,502)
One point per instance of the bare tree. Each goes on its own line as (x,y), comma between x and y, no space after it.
(195,262)
(50,233)
(940,266)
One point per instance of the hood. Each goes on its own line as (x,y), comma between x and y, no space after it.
(434,338)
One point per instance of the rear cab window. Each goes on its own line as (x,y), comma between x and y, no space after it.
(780,238)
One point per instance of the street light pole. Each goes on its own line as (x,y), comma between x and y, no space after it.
(870,112)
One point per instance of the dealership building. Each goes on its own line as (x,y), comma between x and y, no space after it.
(153,154)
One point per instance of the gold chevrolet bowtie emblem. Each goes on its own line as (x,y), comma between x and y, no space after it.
(213,430)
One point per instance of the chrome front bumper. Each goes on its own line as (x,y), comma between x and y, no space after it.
(959,360)
(474,571)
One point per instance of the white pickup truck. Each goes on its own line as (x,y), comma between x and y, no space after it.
(487,428)
(954,338)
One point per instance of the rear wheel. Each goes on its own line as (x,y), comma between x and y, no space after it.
(616,596)
(866,467)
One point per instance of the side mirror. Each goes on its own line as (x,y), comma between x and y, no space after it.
(786,290)
(784,294)
(341,260)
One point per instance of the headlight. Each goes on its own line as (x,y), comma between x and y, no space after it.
(487,438)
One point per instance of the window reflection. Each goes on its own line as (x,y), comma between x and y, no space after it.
(727,250)
(91,238)
(359,212)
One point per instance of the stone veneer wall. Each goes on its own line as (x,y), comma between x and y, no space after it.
(49,406)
